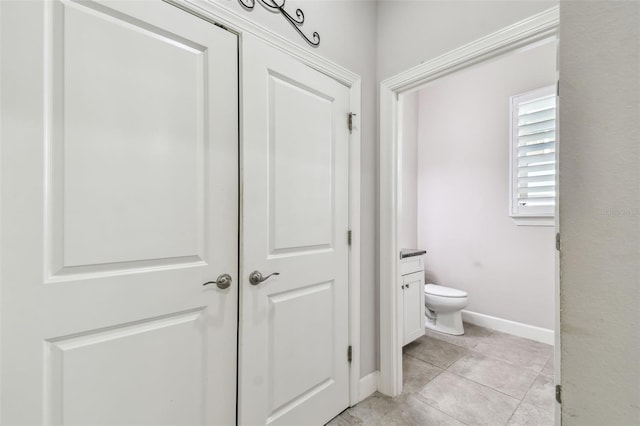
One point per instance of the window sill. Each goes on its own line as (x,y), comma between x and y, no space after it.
(534,221)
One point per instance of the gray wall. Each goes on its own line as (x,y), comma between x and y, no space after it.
(600,212)
(408,221)
(410,32)
(348,36)
(377,40)
(463,191)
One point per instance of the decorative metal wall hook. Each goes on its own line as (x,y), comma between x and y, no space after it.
(296,22)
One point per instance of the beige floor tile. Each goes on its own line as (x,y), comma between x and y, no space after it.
(416,374)
(481,378)
(510,340)
(373,409)
(542,394)
(467,401)
(435,352)
(529,415)
(507,378)
(473,335)
(415,412)
(515,350)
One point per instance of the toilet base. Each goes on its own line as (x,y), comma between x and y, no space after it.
(449,323)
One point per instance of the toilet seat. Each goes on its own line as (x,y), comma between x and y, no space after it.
(442,291)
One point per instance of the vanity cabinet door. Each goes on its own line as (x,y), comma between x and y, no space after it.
(413,310)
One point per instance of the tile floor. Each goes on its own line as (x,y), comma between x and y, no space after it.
(481,378)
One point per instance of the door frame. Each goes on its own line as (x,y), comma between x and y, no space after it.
(230,20)
(536,28)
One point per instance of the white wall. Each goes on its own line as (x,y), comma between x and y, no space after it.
(600,213)
(463,191)
(348,35)
(408,226)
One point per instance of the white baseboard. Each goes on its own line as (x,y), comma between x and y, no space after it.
(368,385)
(538,334)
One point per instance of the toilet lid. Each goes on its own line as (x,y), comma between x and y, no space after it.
(442,291)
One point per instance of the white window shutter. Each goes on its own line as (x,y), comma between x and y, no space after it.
(533,153)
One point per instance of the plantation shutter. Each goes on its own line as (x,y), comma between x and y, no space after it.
(534,153)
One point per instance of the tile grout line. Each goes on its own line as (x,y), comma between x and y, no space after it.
(420,398)
(442,370)
(496,390)
(489,387)
(472,381)
(522,400)
(508,362)
(471,351)
(525,395)
(514,411)
(426,362)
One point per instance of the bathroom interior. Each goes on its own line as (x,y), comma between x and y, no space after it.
(485,270)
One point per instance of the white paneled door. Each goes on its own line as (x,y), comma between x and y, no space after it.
(119,200)
(293,326)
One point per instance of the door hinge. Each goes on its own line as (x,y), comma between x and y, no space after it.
(559,394)
(350,120)
(350,353)
(558,241)
(558,88)
(349,237)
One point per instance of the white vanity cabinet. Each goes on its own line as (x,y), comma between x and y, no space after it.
(412,296)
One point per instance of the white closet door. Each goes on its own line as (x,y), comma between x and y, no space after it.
(119,200)
(293,326)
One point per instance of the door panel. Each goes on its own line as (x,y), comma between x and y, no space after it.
(293,327)
(301,158)
(312,367)
(119,200)
(123,356)
(413,306)
(141,110)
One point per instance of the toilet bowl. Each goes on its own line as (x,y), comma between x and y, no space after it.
(443,308)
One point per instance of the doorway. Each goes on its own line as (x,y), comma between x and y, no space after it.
(525,33)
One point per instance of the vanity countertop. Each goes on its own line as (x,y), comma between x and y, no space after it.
(404,253)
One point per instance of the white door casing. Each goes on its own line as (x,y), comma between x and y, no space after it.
(119,200)
(293,366)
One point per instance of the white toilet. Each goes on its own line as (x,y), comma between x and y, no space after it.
(443,306)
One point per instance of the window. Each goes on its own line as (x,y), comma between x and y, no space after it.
(533,155)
